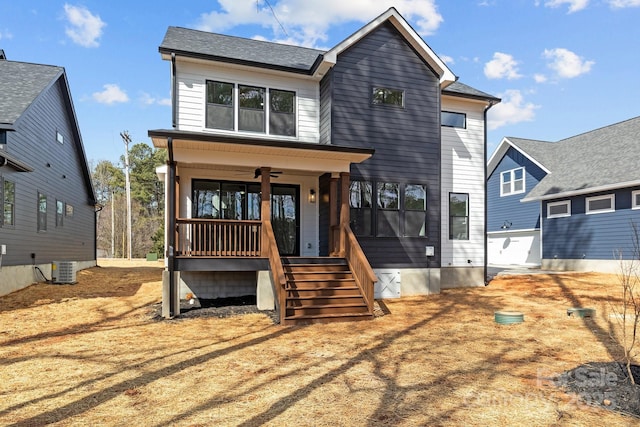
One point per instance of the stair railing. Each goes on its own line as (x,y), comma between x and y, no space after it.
(270,250)
(359,264)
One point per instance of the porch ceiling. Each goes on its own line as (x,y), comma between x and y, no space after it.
(207,149)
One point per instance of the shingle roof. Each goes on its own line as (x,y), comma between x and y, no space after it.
(20,85)
(458,88)
(239,50)
(600,158)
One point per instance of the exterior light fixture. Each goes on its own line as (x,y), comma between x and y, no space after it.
(506,225)
(312,196)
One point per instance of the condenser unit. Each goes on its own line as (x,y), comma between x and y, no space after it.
(63,272)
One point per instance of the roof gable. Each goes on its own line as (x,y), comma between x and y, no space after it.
(531,149)
(392,16)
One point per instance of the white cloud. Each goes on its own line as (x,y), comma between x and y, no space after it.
(540,78)
(447,59)
(84,28)
(307,21)
(112,94)
(574,5)
(502,66)
(566,64)
(147,99)
(619,4)
(5,35)
(513,109)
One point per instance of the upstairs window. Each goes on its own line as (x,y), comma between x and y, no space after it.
(220,105)
(3,137)
(59,212)
(635,199)
(559,209)
(454,120)
(512,182)
(386,96)
(601,204)
(59,138)
(8,202)
(246,108)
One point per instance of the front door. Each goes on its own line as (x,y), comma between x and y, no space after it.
(285,206)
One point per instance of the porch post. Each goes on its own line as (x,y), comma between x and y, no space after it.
(333,211)
(174,298)
(265,203)
(344,206)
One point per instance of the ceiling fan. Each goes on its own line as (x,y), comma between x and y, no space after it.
(273,174)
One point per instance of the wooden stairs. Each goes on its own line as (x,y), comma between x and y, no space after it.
(321,290)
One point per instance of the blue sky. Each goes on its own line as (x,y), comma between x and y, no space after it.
(561,67)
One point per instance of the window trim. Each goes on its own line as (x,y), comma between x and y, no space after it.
(457,216)
(40,213)
(59,137)
(634,194)
(235,106)
(4,203)
(512,181)
(562,202)
(611,197)
(457,113)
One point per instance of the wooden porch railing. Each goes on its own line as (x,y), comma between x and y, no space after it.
(218,238)
(347,246)
(270,250)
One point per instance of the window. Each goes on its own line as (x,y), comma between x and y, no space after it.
(454,120)
(601,204)
(8,202)
(220,105)
(226,200)
(360,201)
(3,137)
(282,117)
(458,216)
(59,138)
(386,96)
(415,210)
(388,211)
(635,199)
(251,109)
(512,182)
(59,213)
(42,212)
(68,210)
(559,209)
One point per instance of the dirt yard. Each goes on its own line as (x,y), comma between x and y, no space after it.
(93,354)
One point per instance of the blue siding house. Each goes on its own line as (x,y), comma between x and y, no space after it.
(568,204)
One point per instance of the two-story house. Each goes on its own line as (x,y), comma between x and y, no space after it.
(305,176)
(47,200)
(567,205)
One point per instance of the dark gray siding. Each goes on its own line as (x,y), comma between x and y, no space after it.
(522,216)
(323,213)
(594,236)
(325,108)
(59,175)
(406,140)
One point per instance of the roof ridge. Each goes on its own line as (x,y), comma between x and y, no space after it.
(600,128)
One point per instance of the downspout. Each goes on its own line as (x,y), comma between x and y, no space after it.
(171,240)
(486,252)
(174,93)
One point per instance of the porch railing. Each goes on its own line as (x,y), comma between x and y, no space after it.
(218,238)
(270,250)
(346,245)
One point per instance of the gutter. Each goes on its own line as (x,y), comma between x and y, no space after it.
(486,252)
(171,237)
(174,93)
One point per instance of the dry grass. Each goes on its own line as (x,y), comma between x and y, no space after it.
(90,354)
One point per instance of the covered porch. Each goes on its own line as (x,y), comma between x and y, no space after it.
(267,204)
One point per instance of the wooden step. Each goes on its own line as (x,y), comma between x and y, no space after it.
(312,310)
(313,300)
(318,275)
(326,318)
(315,267)
(320,283)
(323,292)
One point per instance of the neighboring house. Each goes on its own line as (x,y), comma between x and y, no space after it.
(47,199)
(367,158)
(568,204)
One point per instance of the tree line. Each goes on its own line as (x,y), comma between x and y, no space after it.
(147,204)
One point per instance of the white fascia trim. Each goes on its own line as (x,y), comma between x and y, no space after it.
(499,153)
(565,194)
(445,74)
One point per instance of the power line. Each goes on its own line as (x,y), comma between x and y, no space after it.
(273,12)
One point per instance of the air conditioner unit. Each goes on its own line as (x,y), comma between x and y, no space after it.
(63,272)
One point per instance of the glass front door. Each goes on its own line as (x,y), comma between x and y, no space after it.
(285,219)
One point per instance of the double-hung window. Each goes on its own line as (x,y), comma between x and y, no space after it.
(388,211)
(415,210)
(246,108)
(360,201)
(512,182)
(8,202)
(458,216)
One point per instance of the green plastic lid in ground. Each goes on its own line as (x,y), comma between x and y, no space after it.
(508,317)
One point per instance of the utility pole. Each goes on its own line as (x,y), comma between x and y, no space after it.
(113,225)
(127,139)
